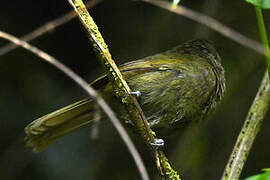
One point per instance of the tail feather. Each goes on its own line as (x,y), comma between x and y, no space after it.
(45,130)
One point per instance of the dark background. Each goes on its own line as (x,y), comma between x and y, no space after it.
(31,88)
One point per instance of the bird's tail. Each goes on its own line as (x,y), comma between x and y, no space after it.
(45,130)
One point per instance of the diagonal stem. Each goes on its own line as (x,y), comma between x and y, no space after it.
(123,134)
(249,131)
(48,27)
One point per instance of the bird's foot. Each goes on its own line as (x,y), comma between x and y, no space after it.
(137,93)
(158,143)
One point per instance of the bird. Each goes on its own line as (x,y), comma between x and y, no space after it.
(177,87)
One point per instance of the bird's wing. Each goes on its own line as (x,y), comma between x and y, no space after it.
(132,68)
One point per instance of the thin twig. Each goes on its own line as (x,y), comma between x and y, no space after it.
(209,22)
(49,26)
(264,38)
(83,84)
(203,19)
(249,131)
(122,89)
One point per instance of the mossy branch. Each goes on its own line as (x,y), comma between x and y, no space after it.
(249,131)
(122,89)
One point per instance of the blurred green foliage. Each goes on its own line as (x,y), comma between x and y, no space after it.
(262,176)
(261,3)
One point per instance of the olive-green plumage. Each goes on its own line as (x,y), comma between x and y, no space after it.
(178,86)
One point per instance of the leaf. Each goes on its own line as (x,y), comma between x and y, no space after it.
(266,169)
(261,3)
(262,176)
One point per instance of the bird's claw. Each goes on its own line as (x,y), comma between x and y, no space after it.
(137,93)
(158,143)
